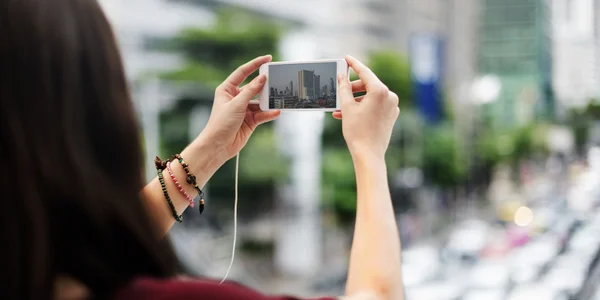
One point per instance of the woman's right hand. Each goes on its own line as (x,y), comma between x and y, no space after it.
(367,121)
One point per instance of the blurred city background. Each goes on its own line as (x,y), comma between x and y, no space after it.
(494,164)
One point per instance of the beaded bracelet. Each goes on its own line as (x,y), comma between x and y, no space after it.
(160,166)
(191,179)
(181,190)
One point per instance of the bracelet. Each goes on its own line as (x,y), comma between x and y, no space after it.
(181,190)
(160,166)
(191,179)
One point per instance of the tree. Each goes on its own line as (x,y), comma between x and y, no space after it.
(212,53)
(443,162)
(393,70)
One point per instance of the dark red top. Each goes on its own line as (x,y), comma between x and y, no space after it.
(158,289)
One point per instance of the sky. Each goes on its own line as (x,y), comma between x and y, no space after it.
(280,75)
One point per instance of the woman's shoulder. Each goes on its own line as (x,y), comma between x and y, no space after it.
(159,289)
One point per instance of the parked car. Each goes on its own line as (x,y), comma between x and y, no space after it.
(567,274)
(466,241)
(435,291)
(527,262)
(420,265)
(536,291)
(489,294)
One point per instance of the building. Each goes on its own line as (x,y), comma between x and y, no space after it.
(331,86)
(515,45)
(576,40)
(306,85)
(316,86)
(291,87)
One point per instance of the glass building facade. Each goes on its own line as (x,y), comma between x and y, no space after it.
(515,45)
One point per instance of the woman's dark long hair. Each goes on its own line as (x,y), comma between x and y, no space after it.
(71,171)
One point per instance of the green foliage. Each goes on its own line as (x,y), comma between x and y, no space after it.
(406,145)
(394,71)
(579,121)
(513,145)
(207,75)
(443,163)
(263,162)
(338,182)
(214,53)
(174,128)
(592,111)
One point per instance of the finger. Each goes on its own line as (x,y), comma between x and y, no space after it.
(345,90)
(240,74)
(358,86)
(359,99)
(266,116)
(365,74)
(254,107)
(251,90)
(394,98)
(337,114)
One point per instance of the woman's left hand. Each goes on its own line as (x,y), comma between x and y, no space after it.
(233,119)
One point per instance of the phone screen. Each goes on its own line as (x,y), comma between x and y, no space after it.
(304,85)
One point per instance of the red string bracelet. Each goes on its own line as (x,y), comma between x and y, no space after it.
(181,190)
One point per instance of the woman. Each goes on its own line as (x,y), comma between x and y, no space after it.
(74,224)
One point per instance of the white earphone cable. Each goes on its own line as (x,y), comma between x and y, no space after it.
(235,204)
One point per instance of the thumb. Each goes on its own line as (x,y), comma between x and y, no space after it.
(250,90)
(345,90)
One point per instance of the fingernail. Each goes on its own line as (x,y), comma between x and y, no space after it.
(262,78)
(340,77)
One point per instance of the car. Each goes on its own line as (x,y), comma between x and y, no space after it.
(567,274)
(420,264)
(489,275)
(536,291)
(435,291)
(488,294)
(585,241)
(527,262)
(466,241)
(543,218)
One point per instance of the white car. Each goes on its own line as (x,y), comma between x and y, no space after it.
(585,242)
(420,265)
(567,274)
(489,275)
(490,294)
(534,291)
(435,291)
(467,241)
(527,262)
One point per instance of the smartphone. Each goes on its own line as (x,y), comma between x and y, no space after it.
(302,85)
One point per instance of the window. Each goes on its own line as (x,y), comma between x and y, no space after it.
(520,14)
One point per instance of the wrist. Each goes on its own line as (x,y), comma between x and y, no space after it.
(367,155)
(367,159)
(204,158)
